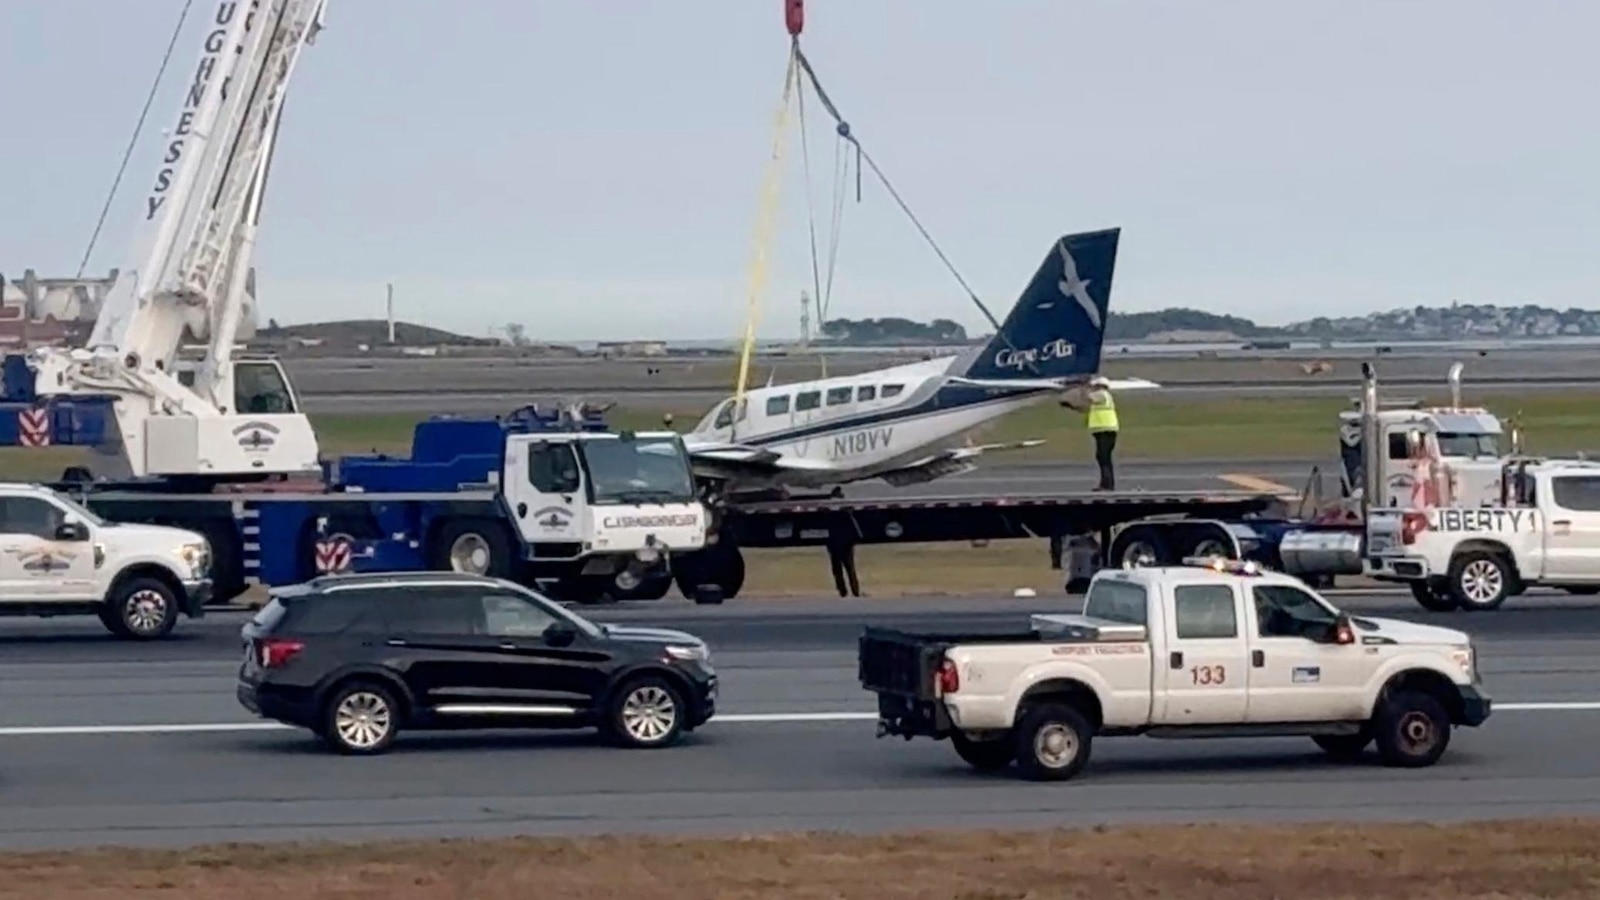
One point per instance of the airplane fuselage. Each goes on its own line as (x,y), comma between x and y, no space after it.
(854,427)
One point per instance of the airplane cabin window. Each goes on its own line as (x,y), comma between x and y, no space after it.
(837,396)
(778,406)
(724,416)
(808,400)
(892,390)
(866,392)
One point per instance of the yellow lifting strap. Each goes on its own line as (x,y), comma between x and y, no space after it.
(765,221)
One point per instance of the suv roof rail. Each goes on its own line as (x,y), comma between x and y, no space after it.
(357,581)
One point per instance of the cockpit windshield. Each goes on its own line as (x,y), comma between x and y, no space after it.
(1468,444)
(638,470)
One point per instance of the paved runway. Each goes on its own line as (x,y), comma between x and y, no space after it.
(216,775)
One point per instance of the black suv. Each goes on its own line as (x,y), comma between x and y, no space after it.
(356,658)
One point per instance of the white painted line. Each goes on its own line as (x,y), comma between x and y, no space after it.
(723,718)
(757,718)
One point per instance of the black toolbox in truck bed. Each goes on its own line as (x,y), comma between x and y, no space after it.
(901,667)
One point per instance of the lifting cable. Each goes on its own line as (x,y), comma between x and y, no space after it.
(823,289)
(763,235)
(862,155)
(133,141)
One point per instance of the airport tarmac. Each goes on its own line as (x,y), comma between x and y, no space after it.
(107,742)
(480,385)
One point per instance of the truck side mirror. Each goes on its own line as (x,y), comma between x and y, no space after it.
(72,531)
(1341,631)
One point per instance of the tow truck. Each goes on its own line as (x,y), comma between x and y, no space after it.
(216,443)
(1210,648)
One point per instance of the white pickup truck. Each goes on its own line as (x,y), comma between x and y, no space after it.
(1219,650)
(58,558)
(1544,531)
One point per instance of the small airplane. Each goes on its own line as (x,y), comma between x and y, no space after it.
(907,424)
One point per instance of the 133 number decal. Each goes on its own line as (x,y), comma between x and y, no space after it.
(1208,674)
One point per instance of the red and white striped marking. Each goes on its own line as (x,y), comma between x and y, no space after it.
(333,555)
(33,428)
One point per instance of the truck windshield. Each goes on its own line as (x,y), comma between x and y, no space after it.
(641,470)
(1116,601)
(1455,444)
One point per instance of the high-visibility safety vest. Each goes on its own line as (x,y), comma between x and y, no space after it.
(1102,411)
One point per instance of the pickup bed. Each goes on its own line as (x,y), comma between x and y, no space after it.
(1177,652)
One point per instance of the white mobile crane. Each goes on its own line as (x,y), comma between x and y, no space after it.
(218,417)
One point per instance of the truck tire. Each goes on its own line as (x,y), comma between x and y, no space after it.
(1344,747)
(1412,729)
(985,756)
(476,546)
(1432,598)
(649,589)
(1481,579)
(1052,742)
(1141,545)
(720,564)
(140,608)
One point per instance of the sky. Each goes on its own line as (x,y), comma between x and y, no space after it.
(593,170)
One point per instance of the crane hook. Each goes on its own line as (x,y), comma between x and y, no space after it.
(794,16)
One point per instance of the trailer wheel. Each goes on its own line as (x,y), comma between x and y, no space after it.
(1138,547)
(473,546)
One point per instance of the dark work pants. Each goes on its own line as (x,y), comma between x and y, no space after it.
(1104,443)
(842,556)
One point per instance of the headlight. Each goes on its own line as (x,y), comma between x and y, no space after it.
(689,652)
(1467,659)
(196,556)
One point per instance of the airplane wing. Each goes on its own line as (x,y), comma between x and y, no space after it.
(945,463)
(1116,384)
(721,458)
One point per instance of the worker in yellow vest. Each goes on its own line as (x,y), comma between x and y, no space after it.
(1101,409)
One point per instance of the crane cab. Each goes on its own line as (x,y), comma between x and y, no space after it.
(257,384)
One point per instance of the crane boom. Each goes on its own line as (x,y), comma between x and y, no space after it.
(192,255)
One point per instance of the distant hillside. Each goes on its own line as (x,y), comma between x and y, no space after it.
(1145,325)
(1453,322)
(372,332)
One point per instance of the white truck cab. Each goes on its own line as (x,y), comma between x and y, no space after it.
(1543,529)
(615,504)
(1220,649)
(59,558)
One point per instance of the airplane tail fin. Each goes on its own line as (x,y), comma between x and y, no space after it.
(1057,326)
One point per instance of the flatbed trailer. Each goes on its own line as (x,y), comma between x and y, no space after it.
(276,537)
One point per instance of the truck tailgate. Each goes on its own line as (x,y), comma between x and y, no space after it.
(897,662)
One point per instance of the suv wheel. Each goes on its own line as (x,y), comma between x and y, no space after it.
(647,712)
(1413,730)
(141,609)
(986,756)
(1052,743)
(360,718)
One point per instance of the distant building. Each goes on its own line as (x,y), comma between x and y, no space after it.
(613,349)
